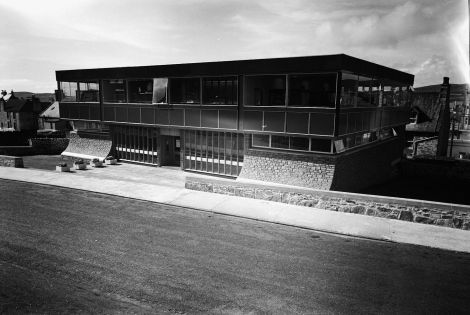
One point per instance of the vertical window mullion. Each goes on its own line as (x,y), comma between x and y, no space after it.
(237,153)
(152,134)
(148,145)
(225,152)
(207,151)
(212,151)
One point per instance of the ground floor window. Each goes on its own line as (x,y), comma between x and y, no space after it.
(361,138)
(291,143)
(213,152)
(138,144)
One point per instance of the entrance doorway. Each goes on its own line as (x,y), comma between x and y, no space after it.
(171,148)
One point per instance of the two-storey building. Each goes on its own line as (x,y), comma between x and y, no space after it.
(329,122)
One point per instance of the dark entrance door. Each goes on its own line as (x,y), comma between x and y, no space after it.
(171,147)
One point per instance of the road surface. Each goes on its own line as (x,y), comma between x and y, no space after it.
(71,251)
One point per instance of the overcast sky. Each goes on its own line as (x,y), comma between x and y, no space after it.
(428,38)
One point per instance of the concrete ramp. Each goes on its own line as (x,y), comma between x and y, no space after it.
(87,148)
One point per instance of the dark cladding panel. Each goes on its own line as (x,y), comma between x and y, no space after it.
(64,110)
(209,119)
(121,114)
(192,117)
(253,120)
(74,111)
(108,113)
(372,120)
(95,111)
(134,114)
(147,115)
(177,117)
(162,116)
(354,122)
(84,112)
(297,123)
(322,124)
(343,124)
(274,121)
(366,121)
(228,119)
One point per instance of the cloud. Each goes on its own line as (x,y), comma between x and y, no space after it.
(54,34)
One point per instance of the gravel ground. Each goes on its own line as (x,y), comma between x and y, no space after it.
(70,251)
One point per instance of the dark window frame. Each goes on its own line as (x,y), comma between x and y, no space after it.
(78,93)
(271,147)
(171,92)
(234,95)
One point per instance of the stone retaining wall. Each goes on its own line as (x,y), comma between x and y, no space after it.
(315,171)
(348,171)
(426,148)
(448,215)
(11,161)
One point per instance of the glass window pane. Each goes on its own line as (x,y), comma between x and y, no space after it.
(267,90)
(349,90)
(320,145)
(312,90)
(364,92)
(260,141)
(299,143)
(69,91)
(375,93)
(159,90)
(114,91)
(280,142)
(185,90)
(140,91)
(220,91)
(89,91)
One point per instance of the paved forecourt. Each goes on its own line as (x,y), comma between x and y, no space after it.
(166,185)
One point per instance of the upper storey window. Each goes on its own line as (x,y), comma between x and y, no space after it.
(185,90)
(69,91)
(160,88)
(265,90)
(114,91)
(361,91)
(312,90)
(348,90)
(140,91)
(220,91)
(80,91)
(89,91)
(365,91)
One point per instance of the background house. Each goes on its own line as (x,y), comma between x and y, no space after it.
(438,112)
(20,111)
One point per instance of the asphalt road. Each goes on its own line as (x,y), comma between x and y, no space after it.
(70,251)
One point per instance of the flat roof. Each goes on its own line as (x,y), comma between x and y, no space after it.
(307,64)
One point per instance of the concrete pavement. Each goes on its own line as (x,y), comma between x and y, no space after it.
(166,185)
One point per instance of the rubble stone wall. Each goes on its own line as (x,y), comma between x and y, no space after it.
(349,171)
(313,171)
(11,161)
(426,148)
(447,215)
